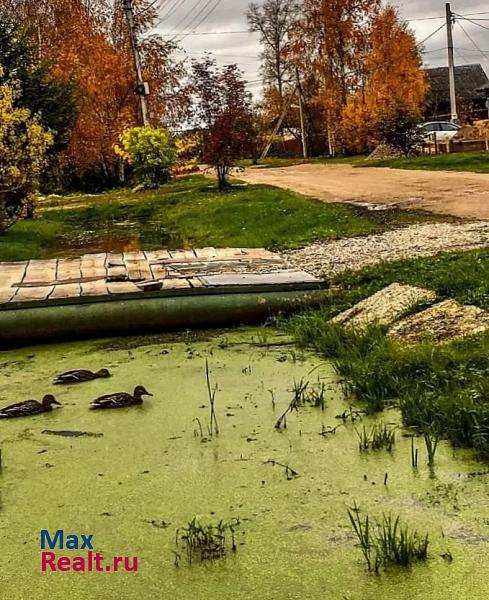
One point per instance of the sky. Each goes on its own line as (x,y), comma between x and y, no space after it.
(229,41)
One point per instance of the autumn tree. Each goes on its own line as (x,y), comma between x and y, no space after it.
(87,41)
(223,110)
(23,146)
(37,89)
(393,88)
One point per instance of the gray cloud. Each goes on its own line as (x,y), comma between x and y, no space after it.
(244,49)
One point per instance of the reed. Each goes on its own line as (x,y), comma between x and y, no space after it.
(206,541)
(414,455)
(380,437)
(213,426)
(431,440)
(387,542)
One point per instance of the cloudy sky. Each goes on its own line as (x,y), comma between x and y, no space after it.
(187,20)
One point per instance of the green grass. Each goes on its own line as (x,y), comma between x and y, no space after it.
(440,389)
(475,162)
(189,212)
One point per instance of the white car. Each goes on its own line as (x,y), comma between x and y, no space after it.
(444,130)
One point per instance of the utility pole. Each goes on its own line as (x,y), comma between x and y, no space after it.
(451,65)
(142,88)
(301,114)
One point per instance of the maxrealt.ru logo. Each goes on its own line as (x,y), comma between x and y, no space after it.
(92,561)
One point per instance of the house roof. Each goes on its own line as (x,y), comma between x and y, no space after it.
(470,81)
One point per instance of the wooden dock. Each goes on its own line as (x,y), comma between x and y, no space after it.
(132,274)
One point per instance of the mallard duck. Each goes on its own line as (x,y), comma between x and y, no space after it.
(29,407)
(121,399)
(80,376)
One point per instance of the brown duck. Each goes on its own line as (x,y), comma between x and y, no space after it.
(120,399)
(80,376)
(29,408)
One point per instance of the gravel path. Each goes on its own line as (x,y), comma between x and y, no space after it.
(330,258)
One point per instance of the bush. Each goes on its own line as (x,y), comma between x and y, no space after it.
(151,153)
(23,146)
(399,129)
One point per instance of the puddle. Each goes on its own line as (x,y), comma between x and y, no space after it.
(117,237)
(151,472)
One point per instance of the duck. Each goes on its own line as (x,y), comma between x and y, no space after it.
(80,376)
(29,408)
(120,399)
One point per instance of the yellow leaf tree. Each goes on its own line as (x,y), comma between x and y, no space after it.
(394,82)
(23,146)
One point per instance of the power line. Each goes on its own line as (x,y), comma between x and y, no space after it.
(209,33)
(173,10)
(432,34)
(423,19)
(185,17)
(143,10)
(473,22)
(486,56)
(203,19)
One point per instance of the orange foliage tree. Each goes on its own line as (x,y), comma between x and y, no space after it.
(87,41)
(394,82)
(359,60)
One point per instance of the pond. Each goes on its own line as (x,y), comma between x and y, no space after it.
(148,471)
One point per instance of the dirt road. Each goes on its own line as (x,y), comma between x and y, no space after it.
(459,194)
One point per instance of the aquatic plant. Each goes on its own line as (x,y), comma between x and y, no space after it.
(325,431)
(213,426)
(206,541)
(290,473)
(414,455)
(431,440)
(350,415)
(380,437)
(386,542)
(303,394)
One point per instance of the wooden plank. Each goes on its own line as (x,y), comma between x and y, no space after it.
(159,271)
(93,266)
(134,256)
(94,288)
(6,294)
(178,255)
(230,253)
(114,260)
(40,272)
(206,253)
(195,282)
(32,294)
(133,270)
(158,255)
(69,270)
(67,290)
(175,284)
(117,272)
(145,270)
(10,277)
(122,287)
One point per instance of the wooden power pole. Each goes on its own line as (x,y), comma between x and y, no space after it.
(142,88)
(451,65)
(301,115)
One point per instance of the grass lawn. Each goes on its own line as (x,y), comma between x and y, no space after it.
(188,212)
(475,162)
(442,389)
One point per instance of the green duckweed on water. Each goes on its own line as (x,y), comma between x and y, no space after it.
(151,472)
